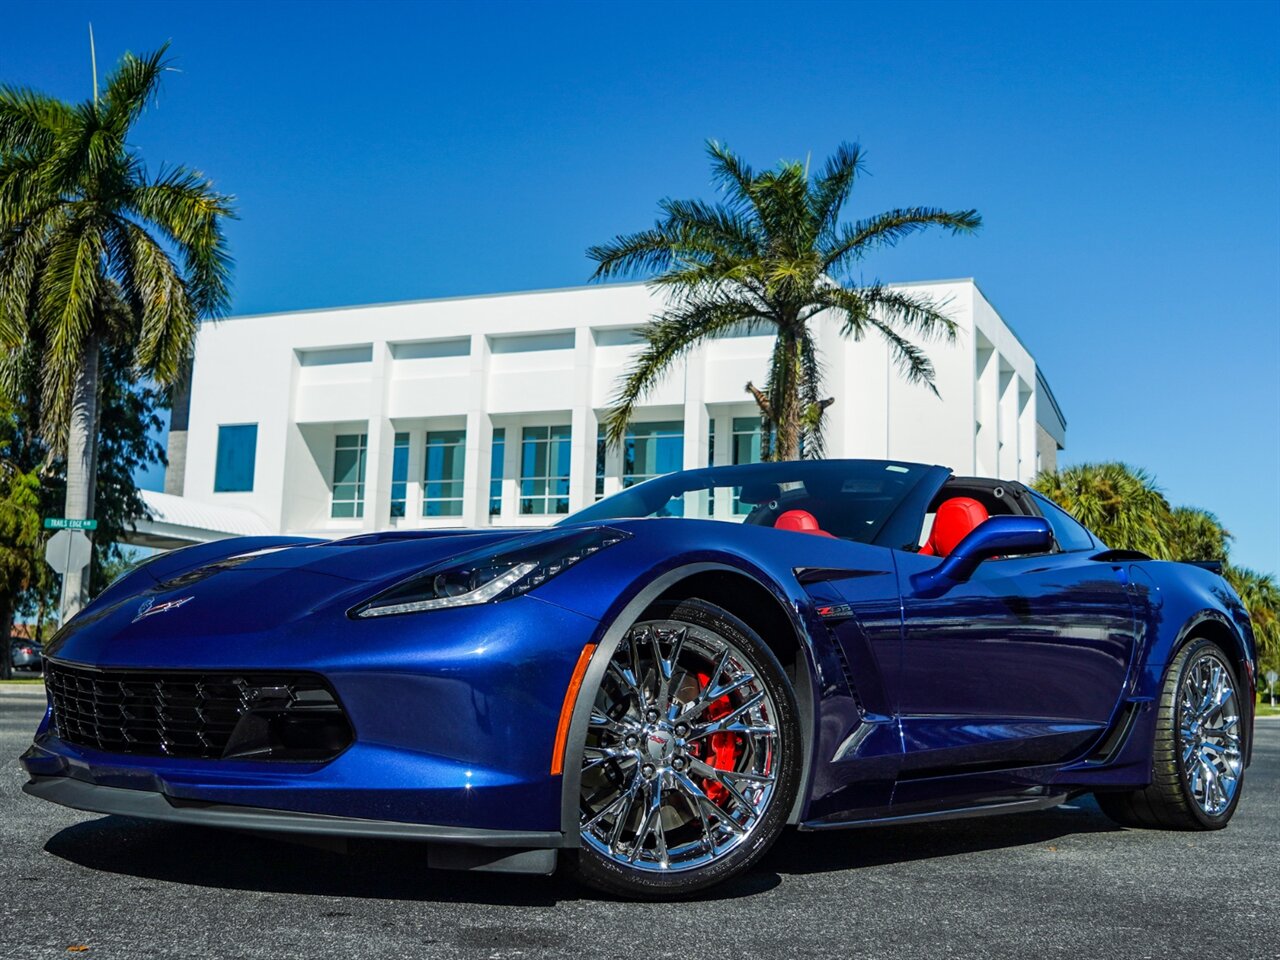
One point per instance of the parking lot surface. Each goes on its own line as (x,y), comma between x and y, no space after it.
(1062,883)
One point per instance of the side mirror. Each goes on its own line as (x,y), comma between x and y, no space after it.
(997,537)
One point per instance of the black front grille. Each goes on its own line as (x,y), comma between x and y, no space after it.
(195,714)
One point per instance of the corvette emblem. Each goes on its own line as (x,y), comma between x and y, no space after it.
(150,608)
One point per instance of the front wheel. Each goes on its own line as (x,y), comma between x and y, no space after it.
(1198,756)
(692,758)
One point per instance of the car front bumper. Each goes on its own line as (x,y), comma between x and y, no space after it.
(449,847)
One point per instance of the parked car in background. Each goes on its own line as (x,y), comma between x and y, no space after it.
(26,654)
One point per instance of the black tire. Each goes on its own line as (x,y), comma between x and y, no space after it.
(595,869)
(1167,802)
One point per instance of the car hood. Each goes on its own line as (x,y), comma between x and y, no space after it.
(240,598)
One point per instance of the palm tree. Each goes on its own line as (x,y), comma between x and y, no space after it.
(94,250)
(1196,535)
(1120,503)
(1123,506)
(1261,597)
(772,256)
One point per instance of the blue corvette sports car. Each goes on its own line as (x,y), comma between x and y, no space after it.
(651,690)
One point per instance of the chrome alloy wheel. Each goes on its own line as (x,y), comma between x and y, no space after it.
(1209,733)
(682,753)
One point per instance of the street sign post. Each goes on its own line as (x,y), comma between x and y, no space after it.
(67,550)
(1272,677)
(65,523)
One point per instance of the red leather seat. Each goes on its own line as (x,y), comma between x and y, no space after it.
(955,519)
(800,521)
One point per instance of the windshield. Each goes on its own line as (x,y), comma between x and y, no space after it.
(850,499)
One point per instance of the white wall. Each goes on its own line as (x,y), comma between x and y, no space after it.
(556,357)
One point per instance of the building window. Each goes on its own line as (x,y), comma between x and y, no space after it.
(746,449)
(711,442)
(237,451)
(602,448)
(746,440)
(349,451)
(497,462)
(544,470)
(652,449)
(445,457)
(400,475)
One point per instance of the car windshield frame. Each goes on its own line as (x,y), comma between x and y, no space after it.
(818,486)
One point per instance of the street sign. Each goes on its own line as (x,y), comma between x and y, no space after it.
(68,550)
(64,523)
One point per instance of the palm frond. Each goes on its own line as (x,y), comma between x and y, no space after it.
(153,287)
(185,206)
(855,240)
(67,299)
(832,189)
(731,174)
(669,337)
(130,88)
(31,122)
(647,251)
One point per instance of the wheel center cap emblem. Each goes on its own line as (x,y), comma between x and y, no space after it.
(660,744)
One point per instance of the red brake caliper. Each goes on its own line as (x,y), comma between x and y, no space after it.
(724,747)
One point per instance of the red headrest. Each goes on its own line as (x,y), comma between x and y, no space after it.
(955,520)
(801,521)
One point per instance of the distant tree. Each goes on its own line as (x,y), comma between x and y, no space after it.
(1123,506)
(770,257)
(128,425)
(1120,503)
(19,547)
(1261,597)
(1196,535)
(96,252)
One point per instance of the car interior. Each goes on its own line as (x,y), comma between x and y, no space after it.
(962,505)
(846,509)
(957,510)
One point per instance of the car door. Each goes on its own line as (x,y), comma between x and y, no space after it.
(1023,664)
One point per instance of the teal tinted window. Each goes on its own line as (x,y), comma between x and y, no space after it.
(442,480)
(237,452)
(349,450)
(601,451)
(400,475)
(544,470)
(746,449)
(652,449)
(497,458)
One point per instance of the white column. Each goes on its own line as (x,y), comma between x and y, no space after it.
(477,451)
(582,444)
(510,512)
(986,440)
(381,444)
(1026,432)
(1008,423)
(695,410)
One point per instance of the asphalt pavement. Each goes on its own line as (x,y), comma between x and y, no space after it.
(1061,883)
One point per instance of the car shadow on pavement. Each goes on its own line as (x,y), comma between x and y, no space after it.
(823,851)
(397,871)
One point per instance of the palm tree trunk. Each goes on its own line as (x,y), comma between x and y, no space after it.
(6,649)
(82,443)
(786,445)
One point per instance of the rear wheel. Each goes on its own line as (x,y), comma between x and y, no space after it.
(692,759)
(1198,767)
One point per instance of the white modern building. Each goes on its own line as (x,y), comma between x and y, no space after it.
(487,410)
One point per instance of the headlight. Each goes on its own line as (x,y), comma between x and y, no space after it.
(485,576)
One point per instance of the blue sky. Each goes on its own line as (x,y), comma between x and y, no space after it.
(1126,159)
